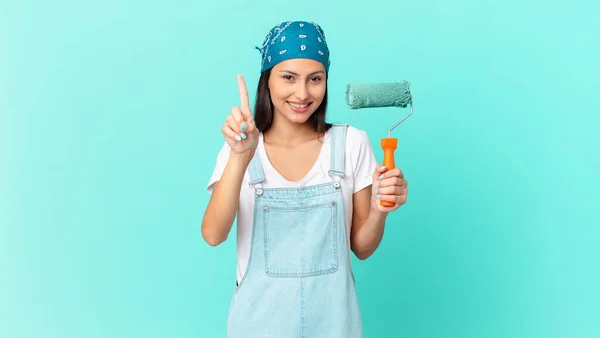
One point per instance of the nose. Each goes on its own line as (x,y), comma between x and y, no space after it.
(302,92)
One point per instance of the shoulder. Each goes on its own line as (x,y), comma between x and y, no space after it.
(357,135)
(356,138)
(360,158)
(359,150)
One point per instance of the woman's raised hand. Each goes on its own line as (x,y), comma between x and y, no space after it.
(239,129)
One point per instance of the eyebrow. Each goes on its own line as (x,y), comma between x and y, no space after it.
(293,73)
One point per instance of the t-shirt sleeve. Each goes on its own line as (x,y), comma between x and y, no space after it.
(220,164)
(364,162)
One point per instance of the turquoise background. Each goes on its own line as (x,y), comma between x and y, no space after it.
(110,116)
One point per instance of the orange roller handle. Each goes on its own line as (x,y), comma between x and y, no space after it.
(388,145)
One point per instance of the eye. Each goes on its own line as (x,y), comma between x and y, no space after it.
(316,78)
(287,77)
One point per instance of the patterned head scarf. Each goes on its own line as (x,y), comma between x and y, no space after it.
(294,39)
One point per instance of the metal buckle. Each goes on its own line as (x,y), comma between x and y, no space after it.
(258,189)
(336,184)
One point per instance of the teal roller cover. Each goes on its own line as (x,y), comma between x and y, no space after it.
(378,95)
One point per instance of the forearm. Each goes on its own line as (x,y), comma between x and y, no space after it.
(369,235)
(223,205)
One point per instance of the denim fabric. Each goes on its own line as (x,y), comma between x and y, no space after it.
(299,281)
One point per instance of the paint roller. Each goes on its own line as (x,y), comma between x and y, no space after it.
(379,95)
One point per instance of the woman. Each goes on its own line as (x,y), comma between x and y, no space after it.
(301,191)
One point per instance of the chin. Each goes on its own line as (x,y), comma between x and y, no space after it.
(299,119)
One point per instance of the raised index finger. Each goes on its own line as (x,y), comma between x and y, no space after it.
(244,96)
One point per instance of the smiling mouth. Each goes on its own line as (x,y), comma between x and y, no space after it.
(299,106)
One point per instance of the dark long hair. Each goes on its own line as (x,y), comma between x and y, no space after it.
(263,108)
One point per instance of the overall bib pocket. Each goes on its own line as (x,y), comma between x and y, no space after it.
(301,240)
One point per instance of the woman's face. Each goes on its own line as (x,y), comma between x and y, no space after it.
(297,88)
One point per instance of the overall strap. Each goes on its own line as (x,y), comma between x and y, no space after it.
(255,170)
(338,150)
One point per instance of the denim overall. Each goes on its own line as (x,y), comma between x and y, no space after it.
(299,281)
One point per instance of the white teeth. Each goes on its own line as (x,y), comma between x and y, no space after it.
(298,105)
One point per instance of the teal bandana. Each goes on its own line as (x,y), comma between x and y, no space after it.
(291,40)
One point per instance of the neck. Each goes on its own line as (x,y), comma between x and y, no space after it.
(285,132)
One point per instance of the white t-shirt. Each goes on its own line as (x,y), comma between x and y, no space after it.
(359,169)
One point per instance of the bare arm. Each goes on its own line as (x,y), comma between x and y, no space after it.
(224,201)
(368,224)
(241,135)
(368,219)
